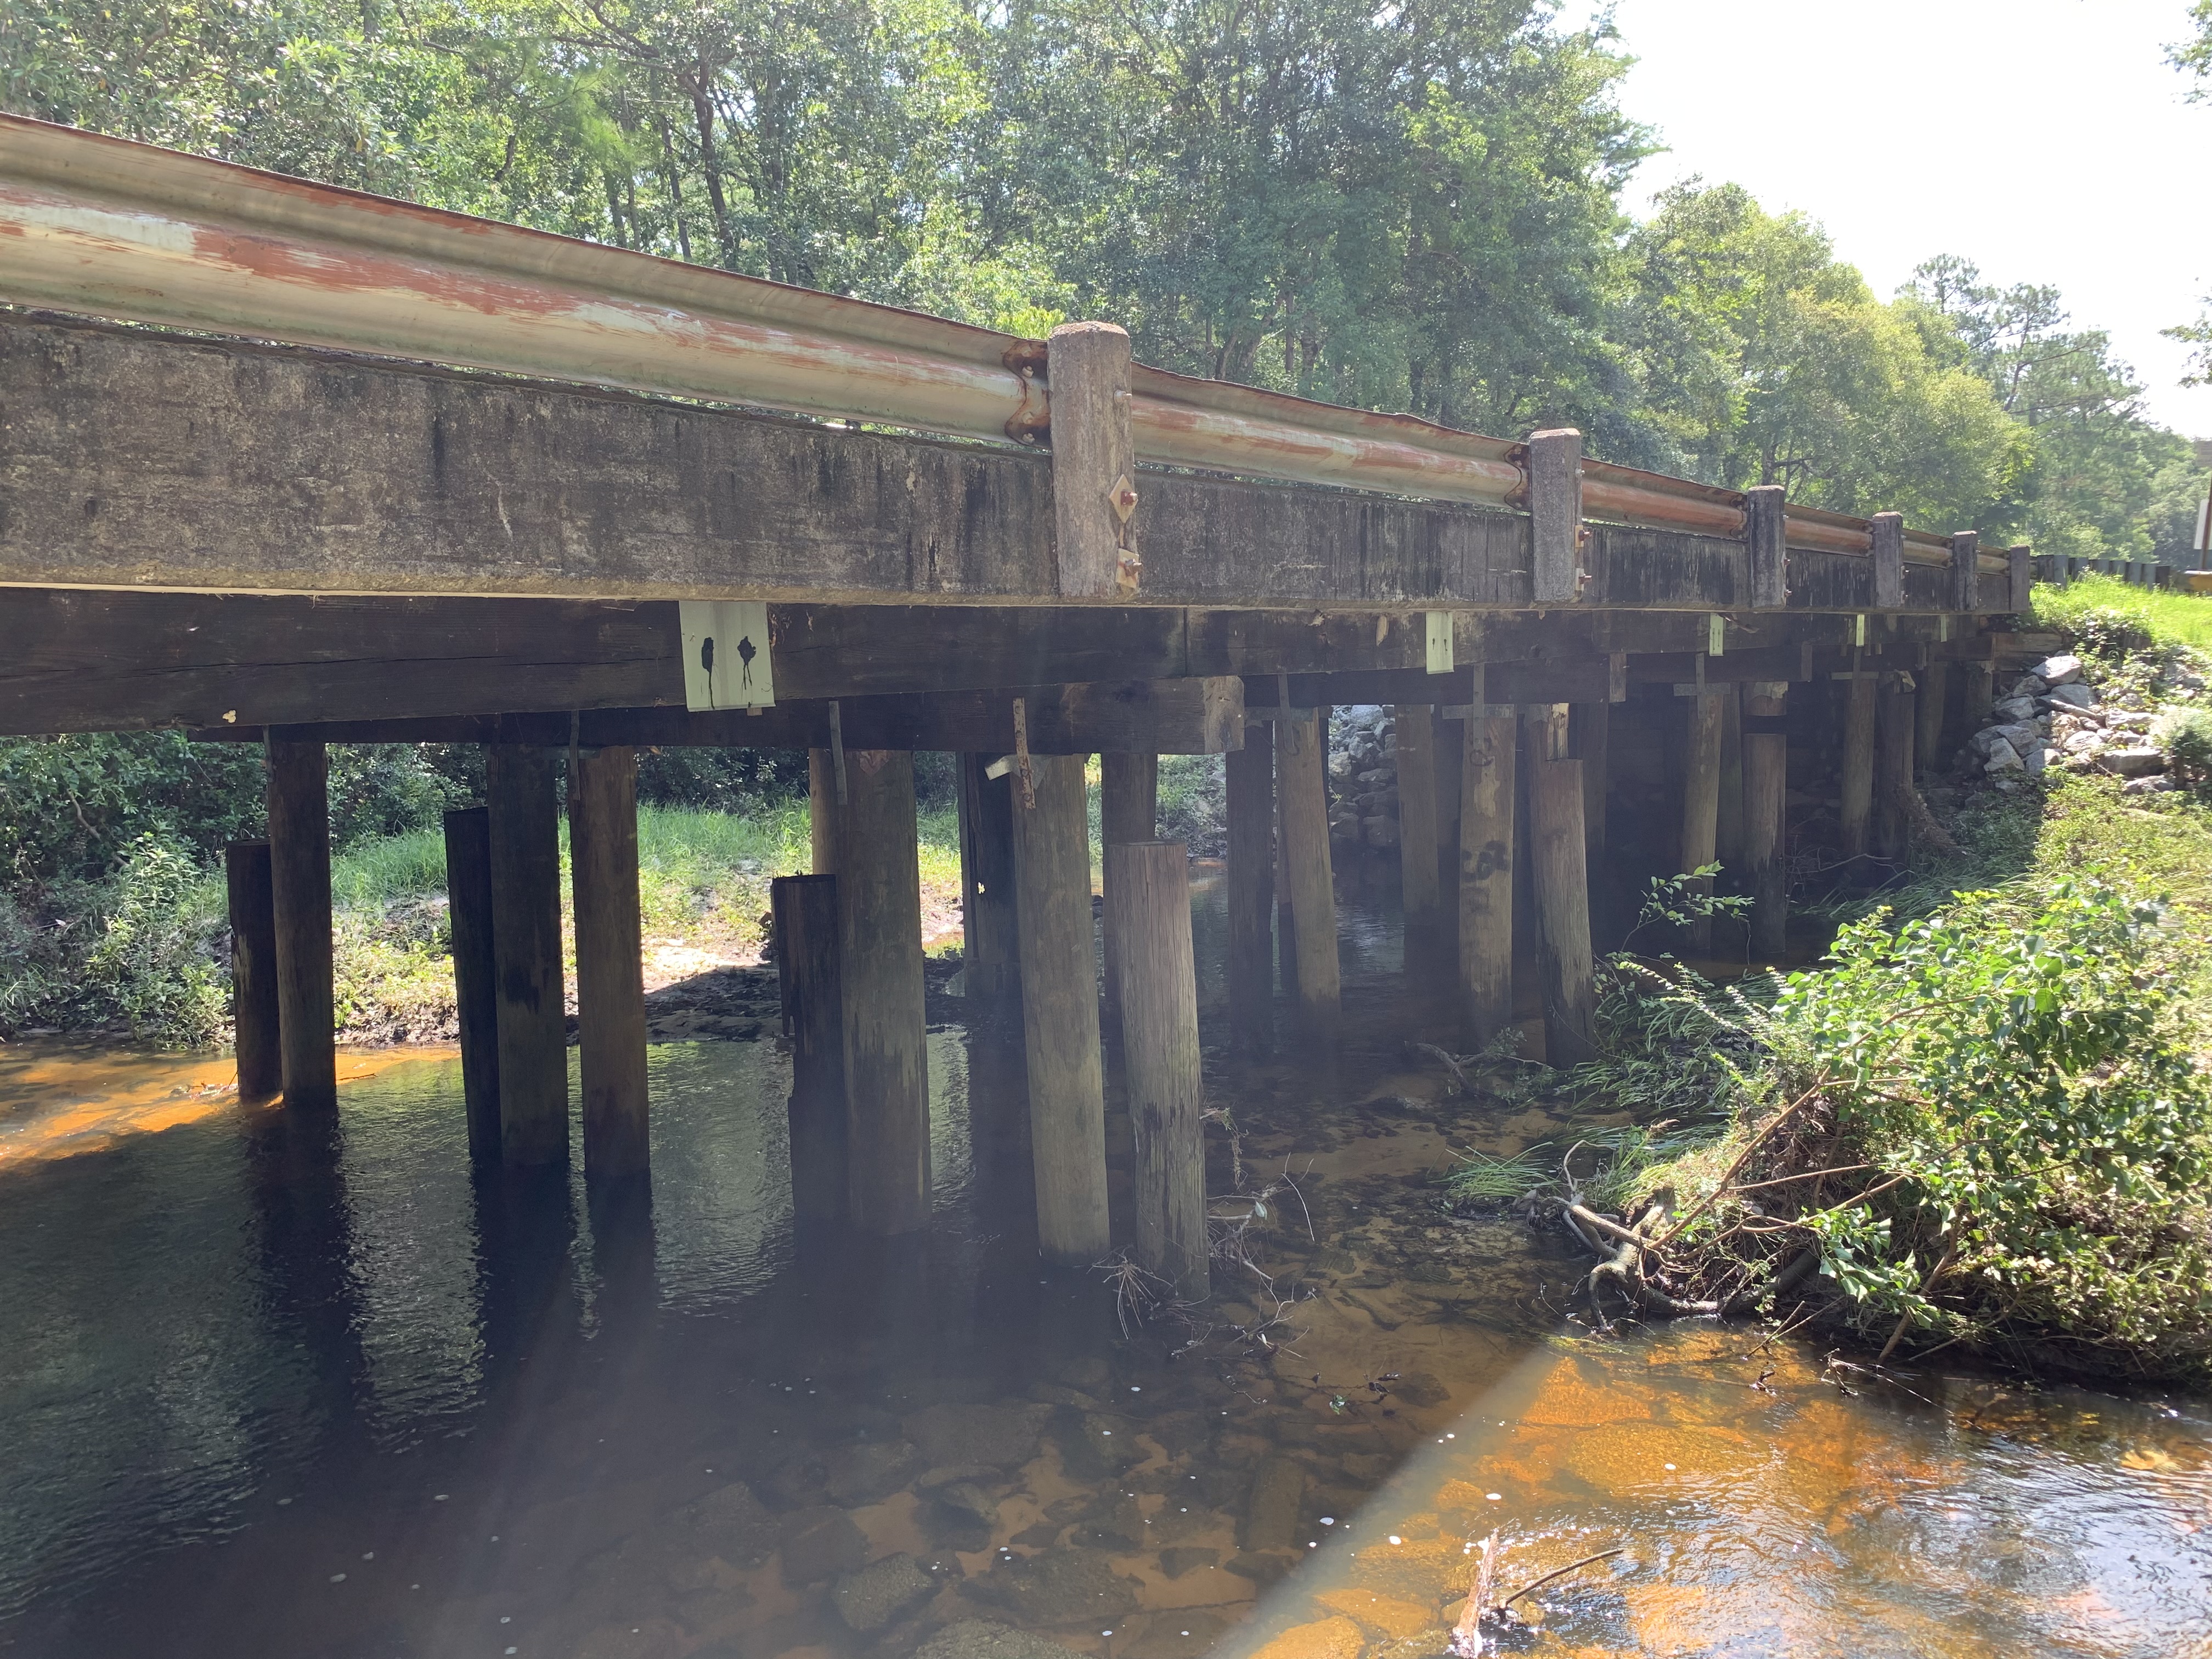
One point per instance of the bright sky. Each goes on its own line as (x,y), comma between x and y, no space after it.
(2048,141)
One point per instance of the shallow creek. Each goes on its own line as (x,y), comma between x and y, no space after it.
(277,1387)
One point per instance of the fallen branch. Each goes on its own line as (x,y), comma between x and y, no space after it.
(1572,1567)
(1907,801)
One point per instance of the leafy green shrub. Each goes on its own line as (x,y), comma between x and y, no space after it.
(2023,1140)
(70,805)
(2185,737)
(1195,803)
(152,963)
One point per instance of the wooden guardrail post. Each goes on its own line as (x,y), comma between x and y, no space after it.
(300,899)
(258,1044)
(610,974)
(476,973)
(1059,1012)
(1886,533)
(1966,571)
(1251,876)
(1094,461)
(2020,568)
(1766,539)
(1487,815)
(1419,877)
(1148,903)
(1555,515)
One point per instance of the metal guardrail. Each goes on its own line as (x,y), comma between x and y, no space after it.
(105,226)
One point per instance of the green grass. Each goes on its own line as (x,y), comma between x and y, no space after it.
(2090,607)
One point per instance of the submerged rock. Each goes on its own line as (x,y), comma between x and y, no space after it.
(742,1527)
(998,1436)
(1271,1513)
(820,1543)
(982,1638)
(1061,1586)
(879,1593)
(873,1470)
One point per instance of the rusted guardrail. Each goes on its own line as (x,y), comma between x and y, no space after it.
(105,226)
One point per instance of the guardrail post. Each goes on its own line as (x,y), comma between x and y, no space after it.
(1886,530)
(1966,570)
(1555,515)
(2022,572)
(1094,461)
(1766,532)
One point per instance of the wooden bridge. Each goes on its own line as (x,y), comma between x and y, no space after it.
(286,464)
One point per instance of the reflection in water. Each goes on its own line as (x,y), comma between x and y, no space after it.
(284,1385)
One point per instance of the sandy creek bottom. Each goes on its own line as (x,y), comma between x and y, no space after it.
(276,1388)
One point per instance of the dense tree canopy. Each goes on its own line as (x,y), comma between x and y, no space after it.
(1414,206)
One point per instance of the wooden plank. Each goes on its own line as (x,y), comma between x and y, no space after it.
(1169,717)
(1583,679)
(1093,458)
(1375,685)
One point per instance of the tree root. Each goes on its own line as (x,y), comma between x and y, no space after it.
(1625,1268)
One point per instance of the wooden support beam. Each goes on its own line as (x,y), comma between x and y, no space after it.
(476,973)
(526,932)
(1169,717)
(822,812)
(1555,513)
(1728,816)
(1562,881)
(991,938)
(1417,824)
(1148,907)
(1128,811)
(1286,920)
(879,959)
(1451,758)
(1857,809)
(300,887)
(1303,787)
(1486,825)
(610,974)
(1060,1013)
(1701,800)
(1766,782)
(1893,782)
(1932,703)
(1578,679)
(1799,661)
(1251,787)
(1590,731)
(808,966)
(258,1044)
(1094,461)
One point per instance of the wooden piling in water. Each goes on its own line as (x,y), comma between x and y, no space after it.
(1286,920)
(1485,875)
(1148,905)
(879,962)
(807,965)
(1128,811)
(991,943)
(609,971)
(1558,860)
(1893,766)
(1766,782)
(1250,780)
(1418,823)
(1857,787)
(1450,743)
(475,974)
(1591,725)
(1701,800)
(1060,1013)
(821,813)
(258,1044)
(299,907)
(1306,854)
(525,935)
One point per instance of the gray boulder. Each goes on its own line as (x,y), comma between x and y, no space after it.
(2076,695)
(2001,757)
(1000,1436)
(880,1593)
(2133,763)
(2062,669)
(2015,709)
(981,1638)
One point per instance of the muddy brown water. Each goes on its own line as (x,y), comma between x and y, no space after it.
(270,1387)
